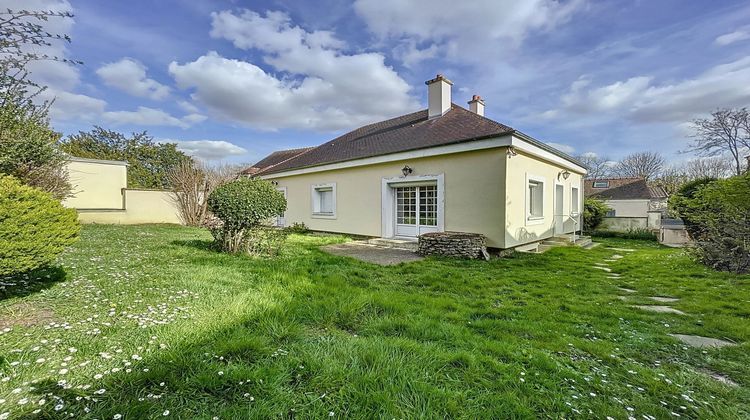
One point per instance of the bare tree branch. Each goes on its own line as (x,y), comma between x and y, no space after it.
(726,132)
(645,165)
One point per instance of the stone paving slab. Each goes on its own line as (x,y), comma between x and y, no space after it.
(626,290)
(602,268)
(698,341)
(372,254)
(622,249)
(663,299)
(660,309)
(616,257)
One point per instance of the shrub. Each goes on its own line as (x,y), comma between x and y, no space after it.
(678,202)
(719,215)
(632,233)
(34,227)
(594,211)
(299,228)
(244,207)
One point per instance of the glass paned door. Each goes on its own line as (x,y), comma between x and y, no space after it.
(416,210)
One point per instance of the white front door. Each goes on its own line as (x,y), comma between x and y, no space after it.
(416,210)
(281,219)
(559,212)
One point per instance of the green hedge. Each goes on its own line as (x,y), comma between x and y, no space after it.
(640,234)
(34,227)
(594,211)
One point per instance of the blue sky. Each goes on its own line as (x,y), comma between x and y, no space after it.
(235,80)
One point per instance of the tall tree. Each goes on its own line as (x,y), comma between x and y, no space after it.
(598,167)
(150,162)
(645,165)
(726,132)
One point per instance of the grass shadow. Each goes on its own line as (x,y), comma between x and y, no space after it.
(202,244)
(30,282)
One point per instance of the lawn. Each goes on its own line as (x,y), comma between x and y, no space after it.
(149,322)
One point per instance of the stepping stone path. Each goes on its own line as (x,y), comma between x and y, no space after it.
(622,250)
(660,309)
(616,257)
(720,378)
(702,342)
(608,270)
(623,289)
(663,299)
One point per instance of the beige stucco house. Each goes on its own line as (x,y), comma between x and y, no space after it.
(633,204)
(445,168)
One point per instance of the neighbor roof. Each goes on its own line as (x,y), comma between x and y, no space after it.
(405,133)
(274,159)
(623,189)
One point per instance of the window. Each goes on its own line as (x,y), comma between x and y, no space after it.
(575,203)
(611,213)
(324,200)
(428,205)
(535,208)
(601,184)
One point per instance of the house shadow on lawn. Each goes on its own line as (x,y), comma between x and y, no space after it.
(30,282)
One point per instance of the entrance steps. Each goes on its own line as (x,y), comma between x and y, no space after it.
(563,240)
(404,244)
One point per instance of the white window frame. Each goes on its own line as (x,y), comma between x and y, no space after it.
(282,217)
(534,220)
(315,200)
(575,201)
(388,200)
(606,184)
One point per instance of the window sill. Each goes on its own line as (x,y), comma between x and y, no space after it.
(534,220)
(323,215)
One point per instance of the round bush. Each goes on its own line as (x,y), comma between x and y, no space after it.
(246,202)
(34,227)
(594,211)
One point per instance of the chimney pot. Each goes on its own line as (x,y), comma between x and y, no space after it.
(438,96)
(476,105)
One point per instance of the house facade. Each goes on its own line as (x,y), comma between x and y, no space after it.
(633,203)
(446,168)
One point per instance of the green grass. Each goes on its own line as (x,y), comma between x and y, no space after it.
(148,318)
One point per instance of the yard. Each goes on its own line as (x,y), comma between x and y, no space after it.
(147,321)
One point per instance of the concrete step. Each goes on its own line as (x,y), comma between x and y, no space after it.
(394,243)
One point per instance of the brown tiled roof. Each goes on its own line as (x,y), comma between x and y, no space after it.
(274,159)
(407,132)
(623,189)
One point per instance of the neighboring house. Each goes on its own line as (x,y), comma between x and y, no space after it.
(100,195)
(633,203)
(445,168)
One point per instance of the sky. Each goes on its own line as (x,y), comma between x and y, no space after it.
(232,81)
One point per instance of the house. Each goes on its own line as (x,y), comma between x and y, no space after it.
(444,168)
(633,203)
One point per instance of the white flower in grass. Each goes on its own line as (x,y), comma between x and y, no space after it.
(23,401)
(41,360)
(98,376)
(5,415)
(165,413)
(117,416)
(59,407)
(331,414)
(100,391)
(221,373)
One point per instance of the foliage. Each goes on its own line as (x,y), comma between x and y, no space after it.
(192,183)
(646,165)
(678,202)
(298,228)
(237,337)
(23,39)
(726,132)
(719,216)
(149,162)
(632,233)
(28,146)
(34,227)
(594,211)
(244,205)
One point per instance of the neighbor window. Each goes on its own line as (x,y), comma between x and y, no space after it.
(575,203)
(611,213)
(601,184)
(324,200)
(536,199)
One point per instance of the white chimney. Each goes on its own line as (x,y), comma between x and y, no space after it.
(438,96)
(476,105)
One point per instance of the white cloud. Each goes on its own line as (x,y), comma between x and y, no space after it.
(411,55)
(639,98)
(563,147)
(70,106)
(208,149)
(147,116)
(464,27)
(320,87)
(129,76)
(732,37)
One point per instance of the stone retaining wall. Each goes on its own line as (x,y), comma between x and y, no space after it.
(453,244)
